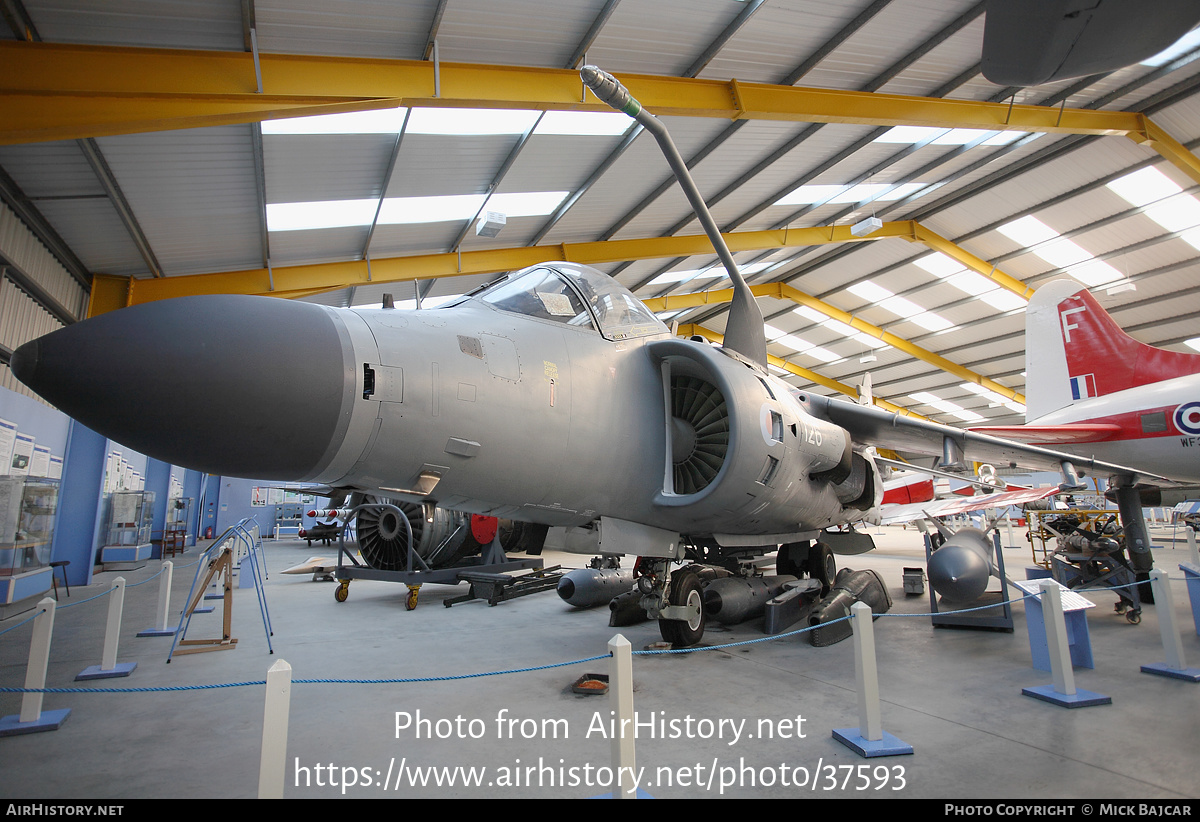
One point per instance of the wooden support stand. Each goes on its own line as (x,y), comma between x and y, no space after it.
(222,564)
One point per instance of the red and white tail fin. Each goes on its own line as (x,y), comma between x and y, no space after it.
(1074,350)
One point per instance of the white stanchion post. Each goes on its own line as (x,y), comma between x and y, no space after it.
(1056,638)
(273,762)
(112,631)
(620,683)
(866,673)
(1164,606)
(39,659)
(1009,530)
(164,596)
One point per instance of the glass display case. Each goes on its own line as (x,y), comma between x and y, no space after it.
(127,540)
(27,508)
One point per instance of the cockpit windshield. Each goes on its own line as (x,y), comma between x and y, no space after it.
(543,291)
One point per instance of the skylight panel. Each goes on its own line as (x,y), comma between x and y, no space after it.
(972,282)
(793,342)
(772,332)
(582,123)
(411,210)
(1193,343)
(465,121)
(379,121)
(1184,44)
(810,313)
(1014,406)
(1178,214)
(688,274)
(1095,273)
(1063,253)
(525,203)
(867,339)
(1028,231)
(948,137)
(1003,300)
(901,306)
(1144,186)
(932,322)
(811,194)
(327,214)
(939,264)
(839,327)
(822,354)
(869,291)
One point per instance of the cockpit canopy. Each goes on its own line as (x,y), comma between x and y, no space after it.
(576,295)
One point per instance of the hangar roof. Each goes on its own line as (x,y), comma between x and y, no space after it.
(168,150)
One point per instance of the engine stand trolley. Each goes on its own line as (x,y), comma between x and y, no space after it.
(416,571)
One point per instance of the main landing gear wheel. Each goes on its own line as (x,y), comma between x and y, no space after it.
(822,565)
(685,590)
(342,591)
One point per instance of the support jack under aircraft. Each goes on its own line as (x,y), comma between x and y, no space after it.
(552,397)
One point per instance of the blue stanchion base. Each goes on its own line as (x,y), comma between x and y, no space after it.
(641,794)
(156,632)
(48,721)
(887,746)
(96,672)
(213,596)
(1161,669)
(1079,699)
(207,609)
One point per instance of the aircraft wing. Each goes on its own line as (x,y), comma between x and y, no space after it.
(1053,434)
(874,426)
(896,514)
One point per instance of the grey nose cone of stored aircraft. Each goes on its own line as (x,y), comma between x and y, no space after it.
(161,378)
(961,568)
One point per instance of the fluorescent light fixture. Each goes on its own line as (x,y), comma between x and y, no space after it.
(1144,186)
(866,227)
(465,121)
(584,123)
(1120,287)
(868,357)
(379,121)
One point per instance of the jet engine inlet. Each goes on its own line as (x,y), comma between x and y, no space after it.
(699,433)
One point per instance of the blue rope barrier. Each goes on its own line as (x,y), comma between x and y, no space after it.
(26,622)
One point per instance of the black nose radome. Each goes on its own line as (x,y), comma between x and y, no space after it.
(240,386)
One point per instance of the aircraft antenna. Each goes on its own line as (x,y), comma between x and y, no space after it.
(744,332)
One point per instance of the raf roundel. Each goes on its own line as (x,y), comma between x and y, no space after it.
(1187,418)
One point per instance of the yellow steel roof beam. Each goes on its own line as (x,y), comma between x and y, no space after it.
(786,292)
(290,281)
(690,329)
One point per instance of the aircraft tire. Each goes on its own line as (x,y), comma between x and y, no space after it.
(822,565)
(685,590)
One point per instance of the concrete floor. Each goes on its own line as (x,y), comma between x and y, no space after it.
(954,695)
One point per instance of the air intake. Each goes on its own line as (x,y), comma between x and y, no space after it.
(699,433)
